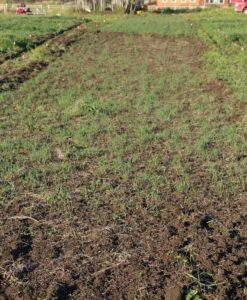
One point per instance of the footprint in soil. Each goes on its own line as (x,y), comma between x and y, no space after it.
(63,291)
(57,251)
(205,222)
(172,230)
(24,243)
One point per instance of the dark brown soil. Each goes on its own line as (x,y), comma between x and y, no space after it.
(146,253)
(12,80)
(142,256)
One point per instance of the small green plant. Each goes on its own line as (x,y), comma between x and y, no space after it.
(193,295)
(38,53)
(60,198)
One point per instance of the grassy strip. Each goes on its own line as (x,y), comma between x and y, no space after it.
(143,24)
(225,33)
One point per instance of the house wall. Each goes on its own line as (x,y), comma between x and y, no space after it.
(190,3)
(217,2)
(177,3)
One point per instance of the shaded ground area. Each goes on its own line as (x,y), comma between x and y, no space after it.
(123,176)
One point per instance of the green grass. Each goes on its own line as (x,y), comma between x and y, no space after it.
(225,33)
(144,24)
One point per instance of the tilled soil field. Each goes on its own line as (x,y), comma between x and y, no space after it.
(143,208)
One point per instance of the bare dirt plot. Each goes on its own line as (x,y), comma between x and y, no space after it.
(121,183)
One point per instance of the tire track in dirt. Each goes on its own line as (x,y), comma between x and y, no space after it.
(55,48)
(40,41)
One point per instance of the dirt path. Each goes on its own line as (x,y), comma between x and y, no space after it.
(152,211)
